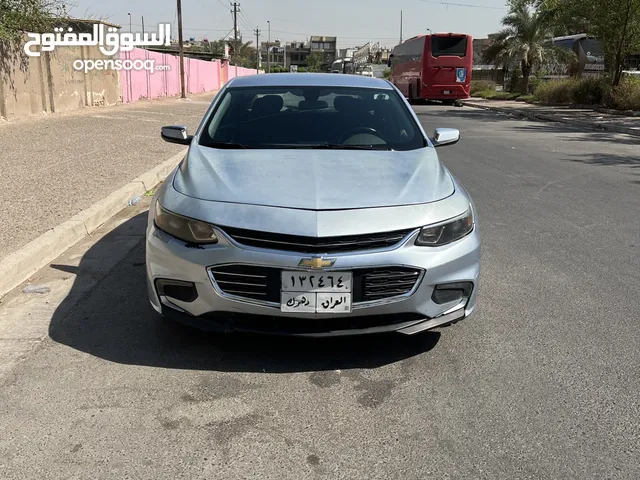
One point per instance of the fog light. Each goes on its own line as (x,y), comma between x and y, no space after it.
(452,292)
(177,289)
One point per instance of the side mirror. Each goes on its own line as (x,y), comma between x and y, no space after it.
(176,134)
(445,136)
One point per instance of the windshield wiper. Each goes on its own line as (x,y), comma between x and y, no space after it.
(229,145)
(324,146)
(340,146)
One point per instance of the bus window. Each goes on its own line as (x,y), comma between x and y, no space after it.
(450,46)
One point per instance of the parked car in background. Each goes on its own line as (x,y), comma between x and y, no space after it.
(371,70)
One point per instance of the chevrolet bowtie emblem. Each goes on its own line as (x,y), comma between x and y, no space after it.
(317,263)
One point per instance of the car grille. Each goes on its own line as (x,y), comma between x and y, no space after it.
(383,283)
(319,245)
(263,283)
(249,281)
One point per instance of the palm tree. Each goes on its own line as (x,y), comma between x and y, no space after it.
(526,38)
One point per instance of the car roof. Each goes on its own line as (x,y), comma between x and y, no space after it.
(309,80)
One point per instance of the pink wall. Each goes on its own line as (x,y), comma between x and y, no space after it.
(199,75)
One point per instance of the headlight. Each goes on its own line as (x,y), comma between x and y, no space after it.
(183,228)
(452,230)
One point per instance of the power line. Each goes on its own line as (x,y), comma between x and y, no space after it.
(195,29)
(243,13)
(245,22)
(464,5)
(339,36)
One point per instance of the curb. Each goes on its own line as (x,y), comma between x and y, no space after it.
(551,118)
(20,265)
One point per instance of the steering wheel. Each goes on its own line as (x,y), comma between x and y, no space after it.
(362,130)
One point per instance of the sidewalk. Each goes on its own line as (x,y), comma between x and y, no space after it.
(56,166)
(580,117)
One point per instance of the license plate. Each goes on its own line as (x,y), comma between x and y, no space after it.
(310,292)
(447,92)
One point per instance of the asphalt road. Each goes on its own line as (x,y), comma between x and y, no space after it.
(96,152)
(542,382)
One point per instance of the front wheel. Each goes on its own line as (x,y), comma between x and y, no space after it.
(411,101)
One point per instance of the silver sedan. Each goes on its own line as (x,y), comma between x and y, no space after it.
(313,205)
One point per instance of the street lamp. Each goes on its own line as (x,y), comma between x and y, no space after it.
(130,31)
(429,30)
(269,48)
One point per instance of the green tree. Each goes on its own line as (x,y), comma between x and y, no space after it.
(565,18)
(615,22)
(525,39)
(314,62)
(246,56)
(17,16)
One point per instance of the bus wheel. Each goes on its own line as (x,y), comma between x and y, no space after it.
(449,102)
(411,101)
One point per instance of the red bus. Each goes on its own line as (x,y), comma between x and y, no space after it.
(433,67)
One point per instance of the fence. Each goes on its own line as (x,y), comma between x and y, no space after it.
(50,83)
(489,73)
(199,76)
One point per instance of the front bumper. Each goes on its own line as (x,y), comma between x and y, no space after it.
(213,310)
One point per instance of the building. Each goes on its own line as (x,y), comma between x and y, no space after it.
(480,46)
(296,53)
(274,53)
(327,47)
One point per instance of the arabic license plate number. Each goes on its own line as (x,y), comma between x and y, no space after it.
(311,292)
(331,302)
(447,92)
(298,302)
(303,281)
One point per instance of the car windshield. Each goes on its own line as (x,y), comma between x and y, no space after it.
(312,117)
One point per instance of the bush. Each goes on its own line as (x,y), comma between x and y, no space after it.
(588,90)
(626,96)
(554,92)
(534,83)
(515,81)
(482,86)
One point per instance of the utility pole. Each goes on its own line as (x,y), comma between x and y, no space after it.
(235,34)
(400,26)
(257,32)
(130,31)
(269,48)
(181,49)
(143,25)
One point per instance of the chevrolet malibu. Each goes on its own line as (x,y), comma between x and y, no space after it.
(312,205)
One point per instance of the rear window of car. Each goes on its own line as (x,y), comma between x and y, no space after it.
(312,117)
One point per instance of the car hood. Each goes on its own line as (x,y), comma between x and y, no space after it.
(314,179)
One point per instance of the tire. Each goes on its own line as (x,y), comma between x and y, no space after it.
(411,100)
(448,102)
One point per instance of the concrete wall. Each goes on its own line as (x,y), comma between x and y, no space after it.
(50,84)
(199,76)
